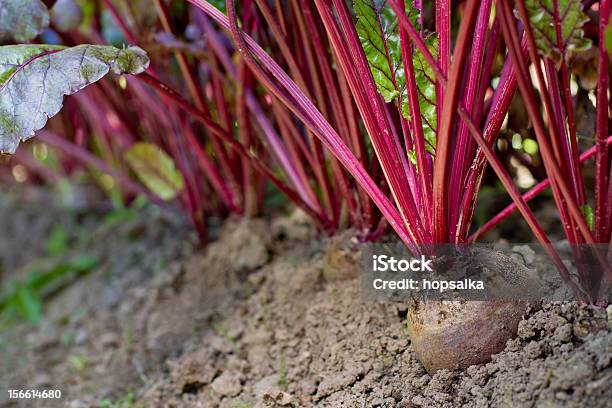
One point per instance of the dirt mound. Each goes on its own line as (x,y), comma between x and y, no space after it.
(270,315)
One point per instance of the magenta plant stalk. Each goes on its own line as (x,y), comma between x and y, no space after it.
(293,97)
(603,189)
(464,150)
(423,162)
(443,31)
(521,204)
(268,131)
(372,108)
(444,143)
(230,193)
(560,186)
(499,106)
(418,41)
(308,113)
(529,195)
(401,180)
(575,224)
(220,133)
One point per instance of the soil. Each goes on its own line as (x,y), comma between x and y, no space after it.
(268,315)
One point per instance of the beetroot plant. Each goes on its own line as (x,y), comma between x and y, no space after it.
(432,117)
(365,114)
(394,67)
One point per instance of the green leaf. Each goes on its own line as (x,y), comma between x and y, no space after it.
(572,19)
(22,20)
(26,297)
(530,146)
(379,35)
(589,215)
(57,243)
(412,157)
(155,169)
(28,304)
(83,263)
(426,86)
(78,363)
(219,4)
(35,78)
(608,39)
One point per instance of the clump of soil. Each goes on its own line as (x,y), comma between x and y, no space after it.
(270,315)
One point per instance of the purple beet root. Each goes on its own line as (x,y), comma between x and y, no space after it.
(455,334)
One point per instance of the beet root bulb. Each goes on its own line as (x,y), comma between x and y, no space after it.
(457,334)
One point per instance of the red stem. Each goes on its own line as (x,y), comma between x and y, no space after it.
(417,40)
(498,108)
(384,136)
(570,142)
(602,209)
(527,214)
(444,142)
(309,34)
(291,95)
(443,31)
(548,156)
(464,145)
(245,130)
(210,171)
(371,106)
(268,132)
(424,170)
(222,135)
(528,196)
